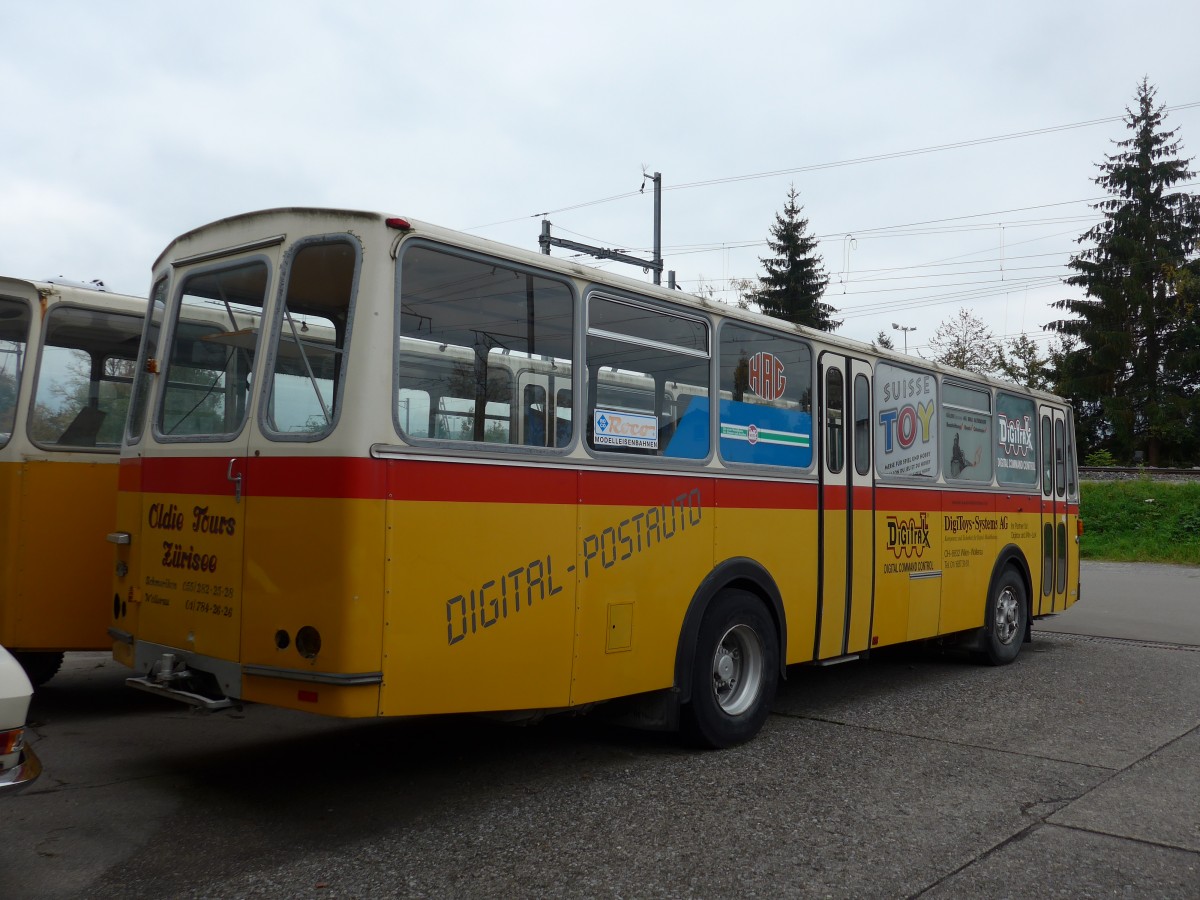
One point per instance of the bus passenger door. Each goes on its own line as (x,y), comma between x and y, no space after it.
(1055,534)
(846,542)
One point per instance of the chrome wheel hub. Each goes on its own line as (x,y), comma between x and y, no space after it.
(1008,615)
(737,669)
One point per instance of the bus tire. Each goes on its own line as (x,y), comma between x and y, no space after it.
(40,666)
(1007,619)
(734,673)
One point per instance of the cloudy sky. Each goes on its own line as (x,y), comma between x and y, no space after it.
(127,123)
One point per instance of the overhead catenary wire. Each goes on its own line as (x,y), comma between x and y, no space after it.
(887,280)
(854,161)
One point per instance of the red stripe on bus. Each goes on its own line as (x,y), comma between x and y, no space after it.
(439,482)
(419,480)
(834,496)
(349,478)
(189,475)
(739,494)
(129,475)
(863,497)
(907,499)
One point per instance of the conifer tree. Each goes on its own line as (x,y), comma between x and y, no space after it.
(1132,372)
(795,278)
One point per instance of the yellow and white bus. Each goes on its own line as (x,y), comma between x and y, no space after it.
(67,352)
(388,469)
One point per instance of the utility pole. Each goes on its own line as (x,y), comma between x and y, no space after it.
(545,241)
(657,225)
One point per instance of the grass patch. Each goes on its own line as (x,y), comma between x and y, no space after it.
(1141,521)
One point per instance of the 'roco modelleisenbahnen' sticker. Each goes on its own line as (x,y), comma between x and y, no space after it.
(622,429)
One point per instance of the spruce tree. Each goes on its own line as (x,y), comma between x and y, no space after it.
(1131,372)
(795,278)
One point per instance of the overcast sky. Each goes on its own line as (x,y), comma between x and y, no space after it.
(127,123)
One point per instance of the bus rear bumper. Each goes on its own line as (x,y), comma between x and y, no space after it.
(204,683)
(197,701)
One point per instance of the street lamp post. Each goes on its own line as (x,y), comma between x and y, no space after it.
(906,329)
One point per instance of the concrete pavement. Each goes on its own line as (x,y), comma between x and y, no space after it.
(1136,601)
(1074,772)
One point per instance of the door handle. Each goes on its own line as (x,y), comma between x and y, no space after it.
(236,479)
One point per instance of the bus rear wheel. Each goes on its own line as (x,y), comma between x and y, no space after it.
(1007,620)
(734,673)
(40,665)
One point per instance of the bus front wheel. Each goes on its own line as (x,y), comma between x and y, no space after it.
(1007,619)
(734,673)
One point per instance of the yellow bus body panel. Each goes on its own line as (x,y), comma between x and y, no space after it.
(1024,524)
(1073,557)
(908,566)
(191,581)
(631,603)
(480,607)
(784,542)
(333,583)
(864,581)
(970,526)
(57,566)
(833,608)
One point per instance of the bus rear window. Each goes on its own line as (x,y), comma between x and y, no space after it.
(312,337)
(84,379)
(211,357)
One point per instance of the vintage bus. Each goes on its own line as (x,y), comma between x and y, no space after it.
(67,352)
(374,467)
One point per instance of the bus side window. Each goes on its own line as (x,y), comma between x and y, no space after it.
(766,398)
(862,425)
(906,422)
(835,437)
(1060,475)
(967,432)
(1047,458)
(1016,457)
(469,327)
(641,362)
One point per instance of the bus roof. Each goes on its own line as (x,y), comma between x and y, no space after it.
(61,289)
(252,227)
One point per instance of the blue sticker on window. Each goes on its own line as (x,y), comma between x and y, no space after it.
(753,433)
